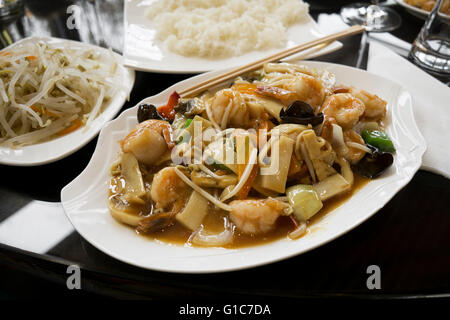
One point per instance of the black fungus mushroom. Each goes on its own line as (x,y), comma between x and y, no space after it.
(147,112)
(302,113)
(189,107)
(372,165)
(156,222)
(185,106)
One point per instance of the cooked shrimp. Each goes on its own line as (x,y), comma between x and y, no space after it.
(353,155)
(255,216)
(307,88)
(284,67)
(168,191)
(288,88)
(229,108)
(344,108)
(149,140)
(375,106)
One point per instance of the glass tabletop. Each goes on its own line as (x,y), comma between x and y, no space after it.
(408,239)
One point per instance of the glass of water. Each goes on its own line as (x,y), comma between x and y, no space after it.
(373,16)
(431,49)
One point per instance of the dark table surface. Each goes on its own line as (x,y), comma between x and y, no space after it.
(408,239)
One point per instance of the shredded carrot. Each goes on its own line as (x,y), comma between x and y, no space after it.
(241,168)
(47,112)
(6,53)
(243,193)
(31,58)
(36,109)
(263,124)
(168,110)
(51,114)
(75,125)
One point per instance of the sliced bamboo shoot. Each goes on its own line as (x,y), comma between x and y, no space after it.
(194,211)
(123,216)
(281,153)
(257,185)
(331,186)
(134,185)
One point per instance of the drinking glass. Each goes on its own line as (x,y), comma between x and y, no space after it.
(373,16)
(431,49)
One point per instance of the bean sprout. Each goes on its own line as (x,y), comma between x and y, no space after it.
(43,86)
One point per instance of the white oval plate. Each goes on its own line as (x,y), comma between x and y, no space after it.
(143,52)
(85,198)
(58,148)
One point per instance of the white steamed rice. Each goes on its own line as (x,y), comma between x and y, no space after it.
(223,28)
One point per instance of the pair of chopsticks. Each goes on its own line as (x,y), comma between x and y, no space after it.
(199,87)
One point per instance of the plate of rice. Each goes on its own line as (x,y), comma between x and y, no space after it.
(55,96)
(177,36)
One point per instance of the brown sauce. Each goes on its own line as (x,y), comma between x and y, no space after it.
(213,222)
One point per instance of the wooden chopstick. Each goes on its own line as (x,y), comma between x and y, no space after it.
(199,87)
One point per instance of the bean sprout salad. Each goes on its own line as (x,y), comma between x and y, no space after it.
(47,91)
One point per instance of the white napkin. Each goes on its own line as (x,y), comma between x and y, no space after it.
(329,23)
(431,104)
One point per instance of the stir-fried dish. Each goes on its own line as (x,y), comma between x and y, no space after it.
(266,153)
(47,91)
(428,5)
